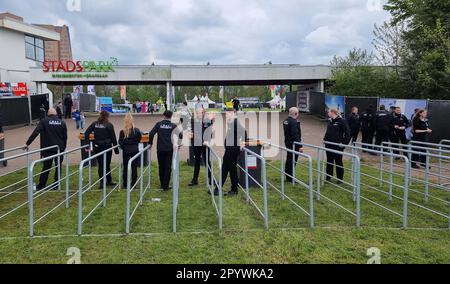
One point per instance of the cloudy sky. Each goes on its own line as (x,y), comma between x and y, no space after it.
(200,31)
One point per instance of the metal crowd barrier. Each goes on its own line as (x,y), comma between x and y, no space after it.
(353,183)
(367,177)
(140,180)
(214,182)
(308,185)
(11,189)
(175,186)
(34,195)
(263,212)
(426,180)
(84,189)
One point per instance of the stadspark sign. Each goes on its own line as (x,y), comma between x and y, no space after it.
(80,69)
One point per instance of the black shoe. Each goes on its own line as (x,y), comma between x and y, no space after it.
(216,192)
(193,183)
(415,166)
(339,181)
(231,193)
(111,184)
(39,187)
(167,189)
(288,180)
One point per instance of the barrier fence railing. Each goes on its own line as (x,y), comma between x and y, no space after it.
(175,186)
(306,184)
(370,175)
(82,189)
(324,178)
(33,195)
(11,188)
(144,169)
(214,182)
(441,149)
(263,184)
(440,201)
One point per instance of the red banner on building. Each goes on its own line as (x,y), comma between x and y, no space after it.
(19,89)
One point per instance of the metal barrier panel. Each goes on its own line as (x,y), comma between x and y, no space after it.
(214,182)
(82,189)
(307,185)
(175,186)
(324,178)
(424,192)
(263,212)
(130,187)
(32,196)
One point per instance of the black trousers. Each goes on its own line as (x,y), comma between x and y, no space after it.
(381,136)
(399,137)
(334,159)
(417,158)
(165,168)
(199,154)
(134,166)
(367,137)
(354,134)
(229,166)
(101,164)
(46,166)
(290,158)
(68,112)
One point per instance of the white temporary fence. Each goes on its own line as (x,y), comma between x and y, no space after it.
(175,186)
(214,182)
(131,187)
(82,189)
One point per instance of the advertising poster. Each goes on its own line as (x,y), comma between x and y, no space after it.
(123,92)
(19,89)
(5,89)
(407,106)
(337,102)
(76,101)
(303,101)
(91,89)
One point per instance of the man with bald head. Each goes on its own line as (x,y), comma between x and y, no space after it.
(53,131)
(292,134)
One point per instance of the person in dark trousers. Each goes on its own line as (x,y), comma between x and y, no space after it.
(354,123)
(235,139)
(292,134)
(168,132)
(59,112)
(236,104)
(201,127)
(68,103)
(367,126)
(129,139)
(338,132)
(420,132)
(399,123)
(53,131)
(382,126)
(104,139)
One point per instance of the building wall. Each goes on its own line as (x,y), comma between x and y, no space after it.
(58,50)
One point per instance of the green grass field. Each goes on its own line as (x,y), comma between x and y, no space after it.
(335,238)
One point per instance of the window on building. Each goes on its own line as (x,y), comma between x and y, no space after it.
(34,48)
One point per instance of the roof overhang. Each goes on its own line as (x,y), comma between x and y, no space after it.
(28,29)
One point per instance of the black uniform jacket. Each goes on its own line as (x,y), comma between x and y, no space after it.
(338,131)
(292,132)
(236,134)
(166,130)
(201,130)
(104,134)
(53,131)
(130,144)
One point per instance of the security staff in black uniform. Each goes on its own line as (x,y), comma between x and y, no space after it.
(420,130)
(235,139)
(201,127)
(129,139)
(167,132)
(354,123)
(53,131)
(104,139)
(68,103)
(338,132)
(382,126)
(367,126)
(292,133)
(236,104)
(399,123)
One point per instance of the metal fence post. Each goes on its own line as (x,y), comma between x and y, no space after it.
(58,168)
(318,172)
(127,212)
(311,193)
(30,201)
(427,177)
(247,191)
(67,182)
(391,169)
(104,179)
(282,175)
(220,195)
(381,167)
(405,194)
(266,213)
(80,200)
(294,174)
(358,193)
(141,197)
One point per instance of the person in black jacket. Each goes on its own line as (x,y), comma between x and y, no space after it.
(420,130)
(201,127)
(292,133)
(68,103)
(129,139)
(367,121)
(104,139)
(354,124)
(382,125)
(58,110)
(53,131)
(168,132)
(236,104)
(399,123)
(338,132)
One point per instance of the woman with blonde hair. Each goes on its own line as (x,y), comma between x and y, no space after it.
(129,139)
(338,132)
